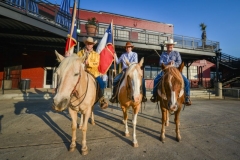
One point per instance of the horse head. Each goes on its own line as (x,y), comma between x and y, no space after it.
(171,88)
(68,73)
(133,79)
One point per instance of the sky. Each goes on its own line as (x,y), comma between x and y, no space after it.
(220,16)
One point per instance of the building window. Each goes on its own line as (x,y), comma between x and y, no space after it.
(192,72)
(141,37)
(151,72)
(122,34)
(101,30)
(150,38)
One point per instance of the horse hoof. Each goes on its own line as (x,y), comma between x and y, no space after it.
(93,123)
(167,124)
(72,148)
(80,127)
(162,139)
(84,151)
(127,134)
(178,139)
(135,145)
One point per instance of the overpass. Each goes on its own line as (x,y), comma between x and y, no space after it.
(26,31)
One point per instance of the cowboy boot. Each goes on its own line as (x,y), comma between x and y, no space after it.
(113,99)
(153,98)
(144,98)
(188,102)
(102,101)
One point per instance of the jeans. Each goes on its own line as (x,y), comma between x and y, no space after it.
(100,82)
(105,84)
(117,79)
(159,76)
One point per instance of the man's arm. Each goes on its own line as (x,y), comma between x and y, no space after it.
(178,60)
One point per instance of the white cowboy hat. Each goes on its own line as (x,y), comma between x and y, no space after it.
(89,40)
(170,41)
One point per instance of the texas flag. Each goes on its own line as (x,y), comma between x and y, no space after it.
(72,34)
(106,50)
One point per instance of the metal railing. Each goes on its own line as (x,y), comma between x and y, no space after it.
(49,12)
(231,92)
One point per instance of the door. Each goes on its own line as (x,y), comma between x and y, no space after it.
(49,78)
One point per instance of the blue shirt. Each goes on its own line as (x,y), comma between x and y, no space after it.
(131,57)
(172,56)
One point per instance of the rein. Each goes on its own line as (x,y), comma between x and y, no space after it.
(76,94)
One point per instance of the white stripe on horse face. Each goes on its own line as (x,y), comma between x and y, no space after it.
(136,83)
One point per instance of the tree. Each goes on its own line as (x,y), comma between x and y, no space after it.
(204,34)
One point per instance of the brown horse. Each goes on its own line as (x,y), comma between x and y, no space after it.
(130,95)
(171,96)
(76,90)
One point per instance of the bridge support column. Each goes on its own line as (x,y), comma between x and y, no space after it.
(218,89)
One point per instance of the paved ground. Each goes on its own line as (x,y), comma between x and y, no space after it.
(31,130)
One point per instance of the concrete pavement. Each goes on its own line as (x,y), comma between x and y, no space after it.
(31,130)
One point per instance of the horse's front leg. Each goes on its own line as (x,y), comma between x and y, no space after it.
(73,115)
(125,118)
(177,122)
(84,133)
(92,119)
(164,120)
(134,121)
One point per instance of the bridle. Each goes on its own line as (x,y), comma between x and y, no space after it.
(75,93)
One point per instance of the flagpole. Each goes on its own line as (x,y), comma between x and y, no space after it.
(114,48)
(72,26)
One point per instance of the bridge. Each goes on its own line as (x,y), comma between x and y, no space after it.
(23,30)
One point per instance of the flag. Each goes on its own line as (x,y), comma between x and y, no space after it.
(72,34)
(106,50)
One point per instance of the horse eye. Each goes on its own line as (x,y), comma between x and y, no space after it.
(76,74)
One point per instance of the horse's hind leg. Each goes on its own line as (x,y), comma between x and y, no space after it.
(92,119)
(81,121)
(177,122)
(74,128)
(125,118)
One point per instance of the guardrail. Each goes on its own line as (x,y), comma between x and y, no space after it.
(231,92)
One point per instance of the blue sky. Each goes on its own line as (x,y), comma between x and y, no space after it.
(220,16)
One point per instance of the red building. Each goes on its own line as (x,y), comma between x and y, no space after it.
(38,64)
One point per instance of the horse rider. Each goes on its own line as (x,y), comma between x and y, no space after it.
(92,63)
(171,58)
(131,57)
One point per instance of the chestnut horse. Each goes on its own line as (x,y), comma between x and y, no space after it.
(76,90)
(130,95)
(171,96)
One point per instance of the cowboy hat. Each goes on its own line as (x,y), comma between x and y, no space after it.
(170,41)
(129,44)
(89,40)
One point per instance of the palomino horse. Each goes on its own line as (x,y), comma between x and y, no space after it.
(130,95)
(76,90)
(171,96)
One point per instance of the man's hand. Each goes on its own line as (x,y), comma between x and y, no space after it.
(171,63)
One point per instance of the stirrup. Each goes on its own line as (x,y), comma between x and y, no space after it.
(188,102)
(144,99)
(103,103)
(153,99)
(113,99)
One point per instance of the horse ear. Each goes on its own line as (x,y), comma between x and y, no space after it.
(59,56)
(141,62)
(127,62)
(180,68)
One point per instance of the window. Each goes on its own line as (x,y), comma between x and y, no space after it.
(151,72)
(101,30)
(122,34)
(192,72)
